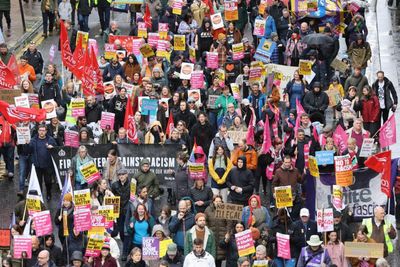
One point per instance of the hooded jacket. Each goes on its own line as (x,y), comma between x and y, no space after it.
(249,153)
(147,179)
(243,178)
(315,101)
(218,227)
(248,211)
(149,137)
(179,228)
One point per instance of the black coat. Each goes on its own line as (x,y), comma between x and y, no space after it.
(231,249)
(35,59)
(389,90)
(292,230)
(203,134)
(56,255)
(315,102)
(93,113)
(124,191)
(241,178)
(306,231)
(188,117)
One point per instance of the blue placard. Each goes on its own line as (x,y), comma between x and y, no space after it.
(149,106)
(324,157)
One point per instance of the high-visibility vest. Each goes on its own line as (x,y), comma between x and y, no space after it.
(386,227)
(68,118)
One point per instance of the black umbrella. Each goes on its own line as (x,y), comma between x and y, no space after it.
(317,39)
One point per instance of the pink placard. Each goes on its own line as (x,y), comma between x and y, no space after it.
(107,118)
(212,60)
(283,242)
(163,30)
(98,220)
(245,243)
(42,222)
(93,178)
(136,43)
(71,138)
(82,219)
(22,244)
(153,38)
(197,79)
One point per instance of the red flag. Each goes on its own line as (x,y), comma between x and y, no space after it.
(315,134)
(129,122)
(7,78)
(79,57)
(88,76)
(147,17)
(266,145)
(387,135)
(19,114)
(340,138)
(250,131)
(170,125)
(99,77)
(381,163)
(299,111)
(66,54)
(13,66)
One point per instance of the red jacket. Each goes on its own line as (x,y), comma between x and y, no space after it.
(370,109)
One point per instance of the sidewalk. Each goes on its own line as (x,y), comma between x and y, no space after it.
(33,21)
(384,52)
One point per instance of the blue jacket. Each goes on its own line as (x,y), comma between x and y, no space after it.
(246,216)
(261,102)
(270,27)
(110,72)
(179,230)
(41,157)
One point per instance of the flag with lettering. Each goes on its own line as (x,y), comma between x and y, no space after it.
(66,54)
(7,78)
(79,58)
(15,114)
(129,122)
(387,135)
(381,163)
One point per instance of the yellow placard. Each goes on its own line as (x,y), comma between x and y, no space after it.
(88,170)
(82,198)
(78,103)
(107,211)
(313,166)
(305,67)
(85,38)
(146,50)
(237,48)
(192,54)
(283,196)
(133,189)
(115,201)
(33,204)
(142,30)
(163,247)
(278,76)
(179,42)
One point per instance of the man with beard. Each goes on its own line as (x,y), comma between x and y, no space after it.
(202,232)
(92,110)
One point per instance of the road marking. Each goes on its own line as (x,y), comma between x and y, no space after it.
(38,39)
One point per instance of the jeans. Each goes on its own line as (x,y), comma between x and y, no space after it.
(8,18)
(45,174)
(212,118)
(8,155)
(279,262)
(385,115)
(48,20)
(223,192)
(104,16)
(24,164)
(83,22)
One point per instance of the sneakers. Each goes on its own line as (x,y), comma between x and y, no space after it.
(10,175)
(44,35)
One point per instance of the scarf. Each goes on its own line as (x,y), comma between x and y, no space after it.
(271,167)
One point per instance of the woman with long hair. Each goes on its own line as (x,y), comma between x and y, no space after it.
(219,167)
(336,249)
(103,190)
(370,110)
(131,67)
(230,246)
(201,194)
(204,38)
(140,225)
(233,35)
(294,48)
(26,87)
(295,90)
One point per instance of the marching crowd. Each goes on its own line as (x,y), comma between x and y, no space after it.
(279,128)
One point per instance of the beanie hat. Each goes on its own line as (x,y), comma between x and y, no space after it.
(198,215)
(68,197)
